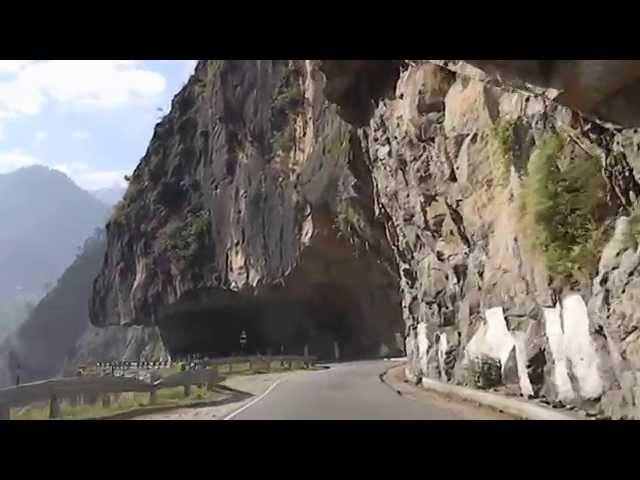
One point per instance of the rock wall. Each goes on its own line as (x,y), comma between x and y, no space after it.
(252,209)
(450,185)
(490,204)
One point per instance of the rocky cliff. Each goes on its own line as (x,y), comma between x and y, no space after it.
(488,208)
(252,209)
(514,224)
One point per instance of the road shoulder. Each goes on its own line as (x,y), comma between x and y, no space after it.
(394,378)
(468,401)
(254,385)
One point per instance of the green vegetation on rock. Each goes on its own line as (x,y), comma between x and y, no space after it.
(483,372)
(338,144)
(287,102)
(185,240)
(562,209)
(502,134)
(351,223)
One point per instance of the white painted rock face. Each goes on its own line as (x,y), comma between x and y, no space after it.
(494,340)
(423,347)
(442,350)
(579,346)
(555,337)
(567,329)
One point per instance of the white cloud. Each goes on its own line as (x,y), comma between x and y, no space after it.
(89,179)
(80,172)
(93,83)
(41,136)
(14,159)
(80,134)
(13,66)
(190,66)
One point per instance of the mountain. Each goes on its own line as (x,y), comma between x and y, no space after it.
(41,343)
(45,218)
(13,311)
(57,334)
(110,196)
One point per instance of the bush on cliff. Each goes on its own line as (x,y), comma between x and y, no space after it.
(562,209)
(483,372)
(502,135)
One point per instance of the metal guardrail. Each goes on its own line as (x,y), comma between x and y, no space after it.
(73,387)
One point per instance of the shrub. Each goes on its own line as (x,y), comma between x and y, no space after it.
(562,209)
(119,212)
(289,96)
(185,240)
(283,140)
(502,134)
(287,101)
(351,221)
(484,372)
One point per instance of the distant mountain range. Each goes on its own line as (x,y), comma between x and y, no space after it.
(48,336)
(110,196)
(44,220)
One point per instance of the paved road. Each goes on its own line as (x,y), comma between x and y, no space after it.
(346,391)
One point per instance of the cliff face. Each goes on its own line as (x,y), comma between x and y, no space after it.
(513,222)
(243,214)
(490,205)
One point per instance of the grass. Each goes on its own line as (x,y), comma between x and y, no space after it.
(126,402)
(351,223)
(287,102)
(502,134)
(121,208)
(289,96)
(134,401)
(562,210)
(484,372)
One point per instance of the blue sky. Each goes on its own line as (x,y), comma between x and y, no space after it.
(91,119)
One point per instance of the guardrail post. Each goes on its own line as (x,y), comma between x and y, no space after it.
(187,390)
(5,413)
(336,351)
(54,407)
(106,400)
(306,350)
(152,397)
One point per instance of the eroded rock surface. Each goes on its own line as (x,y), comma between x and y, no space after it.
(435,146)
(375,191)
(252,209)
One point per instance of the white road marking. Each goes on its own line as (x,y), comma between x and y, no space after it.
(254,401)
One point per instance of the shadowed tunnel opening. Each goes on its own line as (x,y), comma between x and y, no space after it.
(274,325)
(333,295)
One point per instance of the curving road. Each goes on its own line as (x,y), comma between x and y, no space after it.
(349,391)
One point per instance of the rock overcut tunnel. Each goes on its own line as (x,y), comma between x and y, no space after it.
(333,296)
(253,209)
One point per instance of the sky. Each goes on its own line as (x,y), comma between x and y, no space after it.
(91,119)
